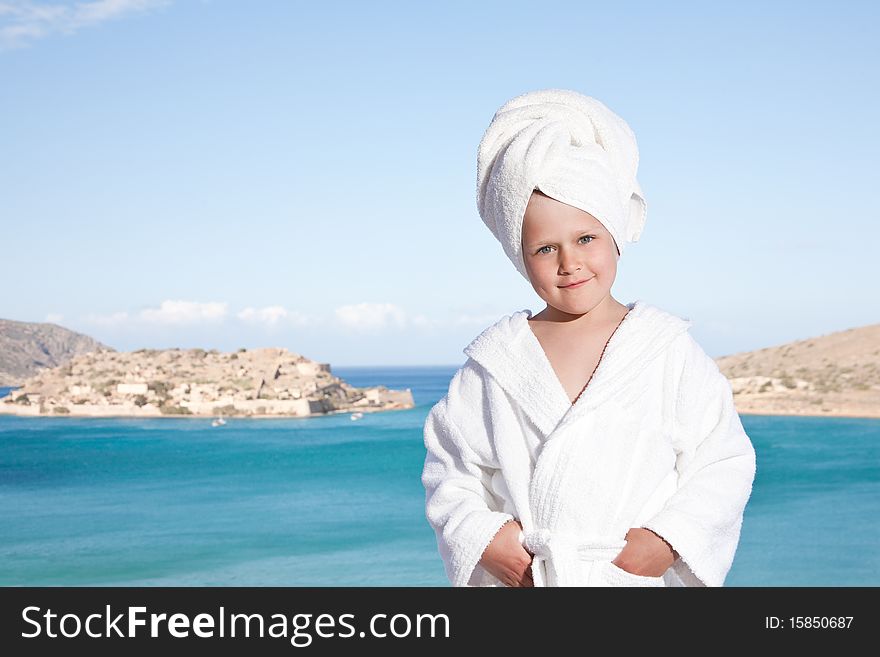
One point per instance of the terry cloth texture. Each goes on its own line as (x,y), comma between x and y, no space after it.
(572,148)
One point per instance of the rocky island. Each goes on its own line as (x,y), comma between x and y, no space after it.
(270,382)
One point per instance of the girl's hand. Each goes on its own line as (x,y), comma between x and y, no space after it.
(645,553)
(507,559)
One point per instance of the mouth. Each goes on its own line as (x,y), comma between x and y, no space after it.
(574,285)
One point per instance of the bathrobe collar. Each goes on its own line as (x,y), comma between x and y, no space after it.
(511,353)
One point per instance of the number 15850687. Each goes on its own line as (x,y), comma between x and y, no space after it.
(808,622)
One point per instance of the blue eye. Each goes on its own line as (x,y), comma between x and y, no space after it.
(543,252)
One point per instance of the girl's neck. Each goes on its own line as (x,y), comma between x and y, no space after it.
(608,310)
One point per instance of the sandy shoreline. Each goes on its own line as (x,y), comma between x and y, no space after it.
(749,411)
(863,415)
(201,416)
(855,403)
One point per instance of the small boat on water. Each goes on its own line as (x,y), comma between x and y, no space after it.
(357,415)
(218,422)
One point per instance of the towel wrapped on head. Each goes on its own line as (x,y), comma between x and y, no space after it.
(570,147)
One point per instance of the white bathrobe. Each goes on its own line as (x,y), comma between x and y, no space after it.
(653,441)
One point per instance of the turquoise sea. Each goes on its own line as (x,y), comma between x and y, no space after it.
(333,502)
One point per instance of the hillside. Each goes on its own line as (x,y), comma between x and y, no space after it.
(833,374)
(28,347)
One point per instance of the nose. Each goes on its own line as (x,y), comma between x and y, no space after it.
(569,262)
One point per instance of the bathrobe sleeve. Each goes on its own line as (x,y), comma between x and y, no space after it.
(715,461)
(459,504)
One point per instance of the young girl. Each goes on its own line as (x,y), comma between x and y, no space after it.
(593,443)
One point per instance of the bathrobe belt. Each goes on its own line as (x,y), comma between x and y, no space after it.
(561,553)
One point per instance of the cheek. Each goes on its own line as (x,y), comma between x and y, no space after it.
(545,268)
(607,263)
(534,263)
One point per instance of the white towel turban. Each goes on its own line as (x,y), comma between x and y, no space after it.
(571,147)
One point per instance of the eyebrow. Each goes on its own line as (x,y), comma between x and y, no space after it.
(582,231)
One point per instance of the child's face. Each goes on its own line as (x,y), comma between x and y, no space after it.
(562,245)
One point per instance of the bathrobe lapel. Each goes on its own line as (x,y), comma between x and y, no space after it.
(511,353)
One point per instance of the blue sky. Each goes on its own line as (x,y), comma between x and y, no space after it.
(302,175)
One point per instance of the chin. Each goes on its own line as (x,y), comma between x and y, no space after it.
(576,306)
(573,309)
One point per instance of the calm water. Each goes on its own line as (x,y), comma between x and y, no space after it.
(331,502)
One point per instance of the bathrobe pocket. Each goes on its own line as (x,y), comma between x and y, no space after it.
(613,575)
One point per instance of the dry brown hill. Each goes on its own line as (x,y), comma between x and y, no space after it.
(833,374)
(26,348)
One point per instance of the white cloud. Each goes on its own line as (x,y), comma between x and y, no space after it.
(272,315)
(361,317)
(269,315)
(421,321)
(169,312)
(22,21)
(107,320)
(371,316)
(184,312)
